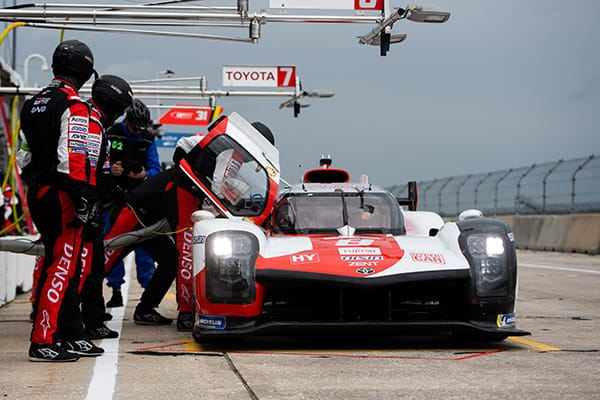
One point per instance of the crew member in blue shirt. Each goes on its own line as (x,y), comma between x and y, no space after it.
(134,158)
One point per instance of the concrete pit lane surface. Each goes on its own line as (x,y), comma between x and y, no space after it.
(558,302)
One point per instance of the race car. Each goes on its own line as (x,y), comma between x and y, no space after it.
(331,255)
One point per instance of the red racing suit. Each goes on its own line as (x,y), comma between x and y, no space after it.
(55,124)
(169,195)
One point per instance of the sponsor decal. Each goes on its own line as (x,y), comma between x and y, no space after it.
(59,280)
(304,258)
(432,258)
(77,137)
(511,236)
(45,322)
(200,239)
(77,128)
(41,101)
(185,266)
(506,320)
(77,120)
(362,261)
(365,271)
(185,294)
(210,322)
(361,258)
(271,171)
(359,250)
(48,353)
(354,242)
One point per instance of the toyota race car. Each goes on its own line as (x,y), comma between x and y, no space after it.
(329,255)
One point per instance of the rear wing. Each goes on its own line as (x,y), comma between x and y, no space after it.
(412,199)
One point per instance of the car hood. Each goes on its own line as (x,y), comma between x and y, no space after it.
(366,256)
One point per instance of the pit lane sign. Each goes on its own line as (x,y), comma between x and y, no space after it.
(328,5)
(256,76)
(190,115)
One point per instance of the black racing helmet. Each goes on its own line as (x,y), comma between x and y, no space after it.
(138,114)
(112,95)
(265,131)
(74,61)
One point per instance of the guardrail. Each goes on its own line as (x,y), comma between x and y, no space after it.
(559,187)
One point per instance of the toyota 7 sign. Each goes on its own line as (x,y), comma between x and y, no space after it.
(255,76)
(328,5)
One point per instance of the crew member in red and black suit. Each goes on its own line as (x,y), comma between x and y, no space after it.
(111,96)
(55,125)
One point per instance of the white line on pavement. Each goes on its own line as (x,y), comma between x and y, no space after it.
(586,271)
(104,378)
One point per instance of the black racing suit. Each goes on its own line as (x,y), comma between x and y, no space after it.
(55,123)
(170,195)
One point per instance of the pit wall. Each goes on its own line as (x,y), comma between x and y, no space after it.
(16,275)
(568,233)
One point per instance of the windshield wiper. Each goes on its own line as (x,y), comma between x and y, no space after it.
(344,208)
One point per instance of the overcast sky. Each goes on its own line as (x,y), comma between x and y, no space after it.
(500,85)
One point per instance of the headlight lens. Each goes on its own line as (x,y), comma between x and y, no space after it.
(485,245)
(488,259)
(230,258)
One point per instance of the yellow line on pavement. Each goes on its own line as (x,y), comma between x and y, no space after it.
(191,345)
(531,343)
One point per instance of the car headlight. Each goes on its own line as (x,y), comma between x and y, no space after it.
(230,258)
(487,254)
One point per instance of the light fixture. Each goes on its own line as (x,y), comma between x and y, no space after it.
(427,14)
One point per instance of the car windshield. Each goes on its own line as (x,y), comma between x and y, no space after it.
(233,175)
(367,212)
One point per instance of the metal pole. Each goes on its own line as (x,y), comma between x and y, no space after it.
(427,190)
(479,184)
(518,196)
(458,193)
(440,193)
(579,168)
(496,190)
(544,182)
(26,66)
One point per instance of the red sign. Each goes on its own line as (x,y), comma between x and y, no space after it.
(190,115)
(368,4)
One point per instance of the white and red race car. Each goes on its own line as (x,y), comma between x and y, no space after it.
(326,254)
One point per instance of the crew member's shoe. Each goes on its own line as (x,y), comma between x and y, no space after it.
(185,321)
(101,332)
(50,353)
(149,316)
(82,347)
(116,300)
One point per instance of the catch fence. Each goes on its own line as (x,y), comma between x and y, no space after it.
(559,187)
